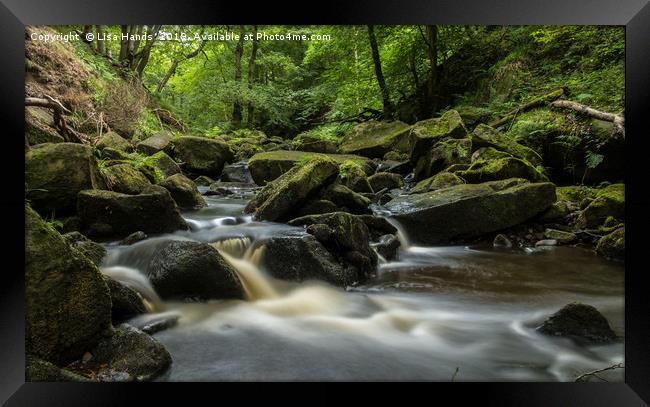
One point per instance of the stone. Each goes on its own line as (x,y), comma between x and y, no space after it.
(560,236)
(183,191)
(580,322)
(387,180)
(202,155)
(374,138)
(114,141)
(612,246)
(502,241)
(93,251)
(126,302)
(503,168)
(609,201)
(125,178)
(158,142)
(486,136)
(438,181)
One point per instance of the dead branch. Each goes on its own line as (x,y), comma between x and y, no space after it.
(595,372)
(617,119)
(537,102)
(68,133)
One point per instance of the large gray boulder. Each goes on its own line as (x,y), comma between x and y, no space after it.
(470,210)
(202,155)
(158,142)
(375,138)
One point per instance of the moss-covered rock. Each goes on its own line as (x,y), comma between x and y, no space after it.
(488,153)
(112,214)
(374,139)
(580,322)
(158,142)
(609,201)
(575,194)
(612,246)
(39,126)
(109,153)
(203,181)
(39,370)
(486,136)
(317,207)
(560,236)
(184,191)
(557,212)
(131,355)
(278,198)
(300,257)
(68,307)
(438,181)
(126,302)
(305,142)
(125,178)
(383,180)
(161,165)
(186,270)
(442,155)
(94,251)
(503,168)
(346,199)
(427,133)
(268,166)
(352,174)
(55,173)
(470,210)
(202,155)
(348,238)
(114,141)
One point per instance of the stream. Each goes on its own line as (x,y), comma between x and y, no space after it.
(435,313)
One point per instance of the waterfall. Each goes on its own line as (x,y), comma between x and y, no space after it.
(245,259)
(132,278)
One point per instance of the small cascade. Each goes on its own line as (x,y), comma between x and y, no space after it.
(245,258)
(134,279)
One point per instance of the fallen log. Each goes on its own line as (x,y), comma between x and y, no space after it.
(68,133)
(537,102)
(617,119)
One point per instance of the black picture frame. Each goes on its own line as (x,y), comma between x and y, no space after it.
(633,14)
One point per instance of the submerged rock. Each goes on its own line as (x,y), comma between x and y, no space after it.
(55,173)
(202,155)
(470,210)
(268,166)
(580,322)
(287,193)
(112,214)
(300,257)
(188,270)
(374,139)
(68,306)
(612,246)
(94,251)
(183,191)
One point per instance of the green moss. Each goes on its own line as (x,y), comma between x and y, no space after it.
(504,168)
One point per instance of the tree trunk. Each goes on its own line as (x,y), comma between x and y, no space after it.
(617,119)
(414,70)
(124,43)
(378,73)
(172,69)
(432,80)
(143,59)
(237,107)
(251,77)
(101,50)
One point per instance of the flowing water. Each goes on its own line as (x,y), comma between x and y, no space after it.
(435,313)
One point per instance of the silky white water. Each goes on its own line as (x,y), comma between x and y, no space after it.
(434,310)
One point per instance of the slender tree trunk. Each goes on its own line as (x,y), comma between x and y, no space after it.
(414,70)
(251,77)
(172,69)
(380,76)
(237,107)
(143,59)
(101,50)
(432,81)
(124,43)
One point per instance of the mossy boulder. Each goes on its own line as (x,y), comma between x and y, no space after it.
(560,236)
(442,155)
(305,142)
(488,153)
(158,142)
(125,178)
(39,370)
(387,180)
(279,198)
(268,166)
(202,155)
(203,181)
(438,181)
(503,168)
(130,355)
(159,166)
(93,251)
(374,138)
(317,207)
(109,214)
(612,246)
(353,175)
(486,136)
(192,270)
(579,322)
(470,210)
(346,199)
(55,173)
(126,302)
(609,201)
(114,141)
(184,191)
(39,126)
(425,134)
(576,194)
(299,257)
(68,306)
(347,237)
